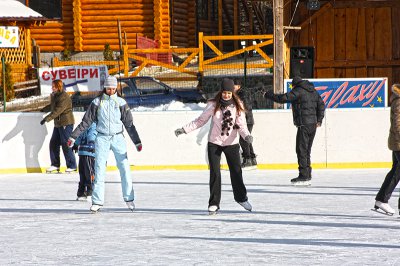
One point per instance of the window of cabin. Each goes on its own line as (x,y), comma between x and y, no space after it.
(48,8)
(202,10)
(214,10)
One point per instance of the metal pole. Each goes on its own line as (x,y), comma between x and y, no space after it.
(3,66)
(245,69)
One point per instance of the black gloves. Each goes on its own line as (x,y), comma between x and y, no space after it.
(179,131)
(249,139)
(42,122)
(75,148)
(269,94)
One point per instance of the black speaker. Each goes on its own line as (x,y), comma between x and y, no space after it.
(302,62)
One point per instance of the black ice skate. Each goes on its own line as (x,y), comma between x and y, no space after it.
(248,165)
(213,210)
(383,208)
(53,170)
(301,181)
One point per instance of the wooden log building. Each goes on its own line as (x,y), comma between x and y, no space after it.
(359,38)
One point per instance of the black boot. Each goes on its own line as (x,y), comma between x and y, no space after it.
(253,161)
(246,162)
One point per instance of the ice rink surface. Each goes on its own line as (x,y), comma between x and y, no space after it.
(328,223)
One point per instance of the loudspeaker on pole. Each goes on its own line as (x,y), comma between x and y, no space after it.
(302,62)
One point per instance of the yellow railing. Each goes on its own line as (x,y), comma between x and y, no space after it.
(264,40)
(186,66)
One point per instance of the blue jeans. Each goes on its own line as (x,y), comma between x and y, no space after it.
(117,144)
(59,138)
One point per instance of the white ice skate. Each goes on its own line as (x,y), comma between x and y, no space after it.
(95,208)
(246,205)
(383,208)
(130,205)
(53,169)
(81,198)
(213,209)
(70,170)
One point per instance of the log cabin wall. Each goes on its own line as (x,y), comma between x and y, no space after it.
(87,25)
(56,36)
(183,23)
(352,39)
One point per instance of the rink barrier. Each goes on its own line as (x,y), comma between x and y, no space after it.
(348,138)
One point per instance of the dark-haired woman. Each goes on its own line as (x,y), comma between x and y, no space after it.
(228,121)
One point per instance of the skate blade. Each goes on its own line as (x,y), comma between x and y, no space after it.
(379,210)
(301,184)
(53,172)
(248,168)
(212,213)
(81,199)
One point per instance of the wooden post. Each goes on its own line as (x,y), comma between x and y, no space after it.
(278,48)
(236,22)
(220,23)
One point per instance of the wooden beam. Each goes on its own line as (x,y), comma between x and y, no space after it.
(365,4)
(356,63)
(278,47)
(321,11)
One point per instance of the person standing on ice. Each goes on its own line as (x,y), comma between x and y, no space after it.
(228,119)
(392,178)
(308,112)
(111,114)
(85,146)
(60,108)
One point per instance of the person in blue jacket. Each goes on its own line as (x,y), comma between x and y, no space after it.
(85,145)
(111,114)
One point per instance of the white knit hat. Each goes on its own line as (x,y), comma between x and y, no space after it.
(111,82)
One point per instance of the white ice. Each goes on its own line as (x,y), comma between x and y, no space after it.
(329,223)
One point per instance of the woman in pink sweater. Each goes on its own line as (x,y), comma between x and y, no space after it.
(228,121)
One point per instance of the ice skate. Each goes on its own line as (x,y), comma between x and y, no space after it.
(95,208)
(383,208)
(53,169)
(213,209)
(130,205)
(70,170)
(246,205)
(248,165)
(301,181)
(81,198)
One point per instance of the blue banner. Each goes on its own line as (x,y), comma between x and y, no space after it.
(349,93)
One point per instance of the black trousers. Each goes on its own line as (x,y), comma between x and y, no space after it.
(247,148)
(391,180)
(304,140)
(233,159)
(86,174)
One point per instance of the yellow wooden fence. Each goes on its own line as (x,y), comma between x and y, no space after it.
(188,55)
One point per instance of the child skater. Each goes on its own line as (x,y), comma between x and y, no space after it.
(228,119)
(85,144)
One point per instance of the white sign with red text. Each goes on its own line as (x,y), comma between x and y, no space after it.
(75,78)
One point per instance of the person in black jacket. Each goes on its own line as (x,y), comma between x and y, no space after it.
(308,111)
(248,155)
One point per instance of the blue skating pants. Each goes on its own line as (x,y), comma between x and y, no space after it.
(116,144)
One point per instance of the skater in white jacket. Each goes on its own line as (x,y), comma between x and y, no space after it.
(111,114)
(228,121)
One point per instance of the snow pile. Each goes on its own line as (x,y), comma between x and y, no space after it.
(173,106)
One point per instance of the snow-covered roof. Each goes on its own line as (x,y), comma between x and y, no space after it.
(15,10)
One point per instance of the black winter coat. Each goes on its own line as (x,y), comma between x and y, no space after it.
(247,100)
(307,105)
